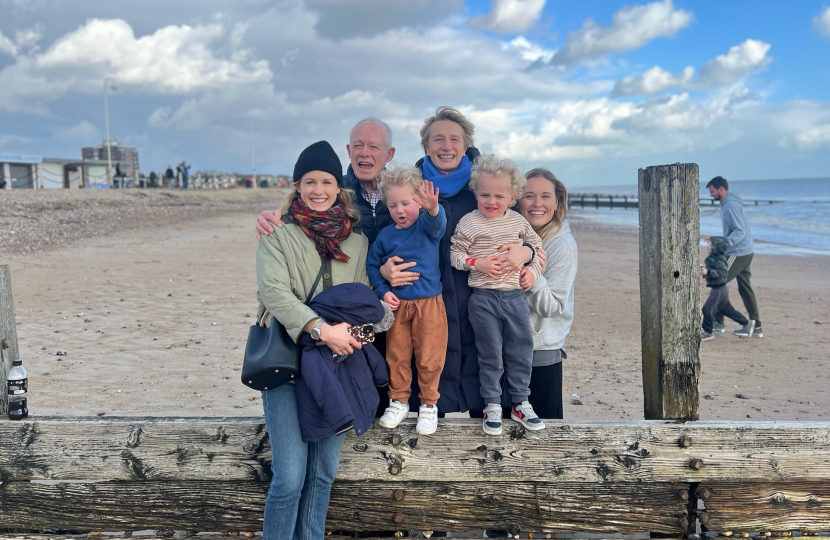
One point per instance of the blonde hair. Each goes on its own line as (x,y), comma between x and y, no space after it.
(448,113)
(500,168)
(344,199)
(561,193)
(399,176)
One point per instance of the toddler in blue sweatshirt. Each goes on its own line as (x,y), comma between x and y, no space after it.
(420,317)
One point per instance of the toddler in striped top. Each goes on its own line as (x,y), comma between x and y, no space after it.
(498,310)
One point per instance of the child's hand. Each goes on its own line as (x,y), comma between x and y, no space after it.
(704,272)
(393,301)
(490,266)
(428,198)
(526,279)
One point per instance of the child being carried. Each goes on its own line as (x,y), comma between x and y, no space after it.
(420,317)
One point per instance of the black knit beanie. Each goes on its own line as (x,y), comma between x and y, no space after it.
(320,156)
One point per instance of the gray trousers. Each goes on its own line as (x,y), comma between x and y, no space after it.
(501,324)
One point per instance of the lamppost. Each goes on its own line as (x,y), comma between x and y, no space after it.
(109,82)
(253,156)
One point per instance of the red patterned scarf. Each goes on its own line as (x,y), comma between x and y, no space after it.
(326,228)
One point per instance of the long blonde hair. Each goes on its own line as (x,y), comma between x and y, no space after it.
(555,224)
(344,199)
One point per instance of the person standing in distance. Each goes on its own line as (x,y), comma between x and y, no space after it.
(741,248)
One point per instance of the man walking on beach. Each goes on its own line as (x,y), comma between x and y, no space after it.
(740,251)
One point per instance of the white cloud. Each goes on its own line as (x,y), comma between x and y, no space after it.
(821,22)
(653,81)
(814,137)
(725,69)
(174,59)
(531,52)
(7,46)
(510,16)
(631,28)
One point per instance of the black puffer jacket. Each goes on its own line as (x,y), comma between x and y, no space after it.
(716,263)
(371,221)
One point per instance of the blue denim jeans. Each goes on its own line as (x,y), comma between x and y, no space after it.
(298,497)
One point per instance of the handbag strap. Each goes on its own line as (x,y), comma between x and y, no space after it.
(310,292)
(316,281)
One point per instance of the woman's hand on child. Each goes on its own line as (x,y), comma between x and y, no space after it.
(428,198)
(338,338)
(393,301)
(704,272)
(491,266)
(264,222)
(514,260)
(526,279)
(394,271)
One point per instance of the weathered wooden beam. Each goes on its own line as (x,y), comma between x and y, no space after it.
(8,336)
(236,449)
(670,290)
(802,506)
(220,506)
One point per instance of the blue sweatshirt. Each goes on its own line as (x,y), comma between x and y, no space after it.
(419,244)
(735,226)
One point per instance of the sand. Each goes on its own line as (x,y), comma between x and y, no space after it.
(153,314)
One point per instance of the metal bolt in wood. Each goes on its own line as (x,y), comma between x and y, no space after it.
(685,441)
(399,495)
(396,439)
(394,468)
(703,493)
(703,517)
(683,495)
(397,518)
(696,464)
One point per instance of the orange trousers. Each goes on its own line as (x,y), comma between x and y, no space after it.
(420,326)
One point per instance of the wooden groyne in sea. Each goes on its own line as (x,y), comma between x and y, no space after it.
(600,200)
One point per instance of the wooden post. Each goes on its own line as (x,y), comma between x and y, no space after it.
(8,336)
(670,290)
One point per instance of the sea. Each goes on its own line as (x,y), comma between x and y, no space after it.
(797,223)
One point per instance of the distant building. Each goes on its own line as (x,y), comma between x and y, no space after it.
(19,171)
(124,156)
(23,171)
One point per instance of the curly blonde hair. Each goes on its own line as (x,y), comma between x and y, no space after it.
(453,115)
(399,176)
(500,168)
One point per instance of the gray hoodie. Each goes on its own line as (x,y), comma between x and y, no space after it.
(735,226)
(551,297)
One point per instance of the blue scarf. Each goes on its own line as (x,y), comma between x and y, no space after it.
(448,184)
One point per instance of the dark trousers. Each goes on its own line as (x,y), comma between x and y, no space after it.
(501,324)
(739,269)
(717,305)
(546,391)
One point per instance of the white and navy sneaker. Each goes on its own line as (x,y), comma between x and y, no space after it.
(492,419)
(718,327)
(394,414)
(427,420)
(524,414)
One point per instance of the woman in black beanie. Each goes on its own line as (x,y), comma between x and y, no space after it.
(319,230)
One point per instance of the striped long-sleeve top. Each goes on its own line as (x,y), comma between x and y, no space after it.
(478,236)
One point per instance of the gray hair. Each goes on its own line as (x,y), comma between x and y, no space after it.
(378,122)
(453,115)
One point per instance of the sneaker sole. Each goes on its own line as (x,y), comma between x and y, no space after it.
(491,431)
(391,425)
(425,431)
(710,338)
(531,427)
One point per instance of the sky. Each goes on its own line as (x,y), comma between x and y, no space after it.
(592,90)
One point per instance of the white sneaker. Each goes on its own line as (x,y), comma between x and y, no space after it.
(394,414)
(427,420)
(492,419)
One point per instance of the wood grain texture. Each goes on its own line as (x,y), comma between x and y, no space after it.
(8,336)
(670,290)
(803,506)
(219,506)
(236,449)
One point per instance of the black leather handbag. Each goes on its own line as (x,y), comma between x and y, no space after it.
(271,356)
